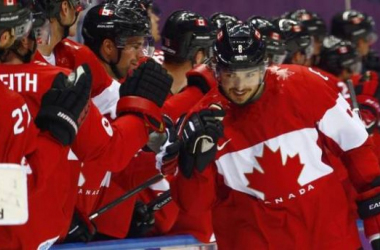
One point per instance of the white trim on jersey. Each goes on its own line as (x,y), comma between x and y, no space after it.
(343,126)
(107,100)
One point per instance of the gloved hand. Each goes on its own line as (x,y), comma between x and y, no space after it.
(202,77)
(64,107)
(369,111)
(167,158)
(369,211)
(145,92)
(372,61)
(200,134)
(142,221)
(81,229)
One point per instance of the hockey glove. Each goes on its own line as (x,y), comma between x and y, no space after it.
(369,111)
(144,93)
(372,61)
(369,212)
(167,158)
(64,107)
(81,229)
(200,134)
(202,77)
(142,221)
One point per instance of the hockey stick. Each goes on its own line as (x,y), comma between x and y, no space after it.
(160,201)
(127,195)
(355,105)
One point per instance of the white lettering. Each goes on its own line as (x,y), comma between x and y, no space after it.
(20,82)
(291,196)
(302,191)
(278,200)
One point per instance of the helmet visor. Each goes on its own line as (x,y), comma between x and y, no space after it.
(144,45)
(42,33)
(23,29)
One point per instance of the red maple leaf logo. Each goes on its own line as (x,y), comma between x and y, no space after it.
(277,179)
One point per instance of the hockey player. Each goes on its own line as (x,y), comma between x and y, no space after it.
(359,28)
(62,111)
(298,41)
(266,176)
(186,40)
(119,36)
(275,44)
(316,27)
(87,147)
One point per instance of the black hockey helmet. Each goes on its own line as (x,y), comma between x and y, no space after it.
(114,22)
(296,36)
(183,34)
(315,25)
(353,25)
(219,18)
(275,44)
(238,46)
(337,54)
(16,17)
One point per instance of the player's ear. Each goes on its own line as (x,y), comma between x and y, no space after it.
(6,39)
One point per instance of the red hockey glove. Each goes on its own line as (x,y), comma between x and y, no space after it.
(369,111)
(202,77)
(145,92)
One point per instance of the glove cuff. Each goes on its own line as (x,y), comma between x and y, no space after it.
(201,77)
(149,110)
(59,122)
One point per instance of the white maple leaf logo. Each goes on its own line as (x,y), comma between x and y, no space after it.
(282,74)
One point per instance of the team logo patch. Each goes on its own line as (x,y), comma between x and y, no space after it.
(296,28)
(10,2)
(275,36)
(342,50)
(257,34)
(105,12)
(220,35)
(200,22)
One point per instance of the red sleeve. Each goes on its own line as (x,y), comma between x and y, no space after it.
(181,103)
(197,194)
(111,146)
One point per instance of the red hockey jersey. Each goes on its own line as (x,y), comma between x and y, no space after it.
(270,181)
(104,90)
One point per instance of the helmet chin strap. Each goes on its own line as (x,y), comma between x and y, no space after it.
(113,65)
(66,28)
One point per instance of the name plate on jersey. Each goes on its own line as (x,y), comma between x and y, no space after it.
(13,194)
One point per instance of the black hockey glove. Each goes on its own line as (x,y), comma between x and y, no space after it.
(372,61)
(81,229)
(150,81)
(64,107)
(200,134)
(142,221)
